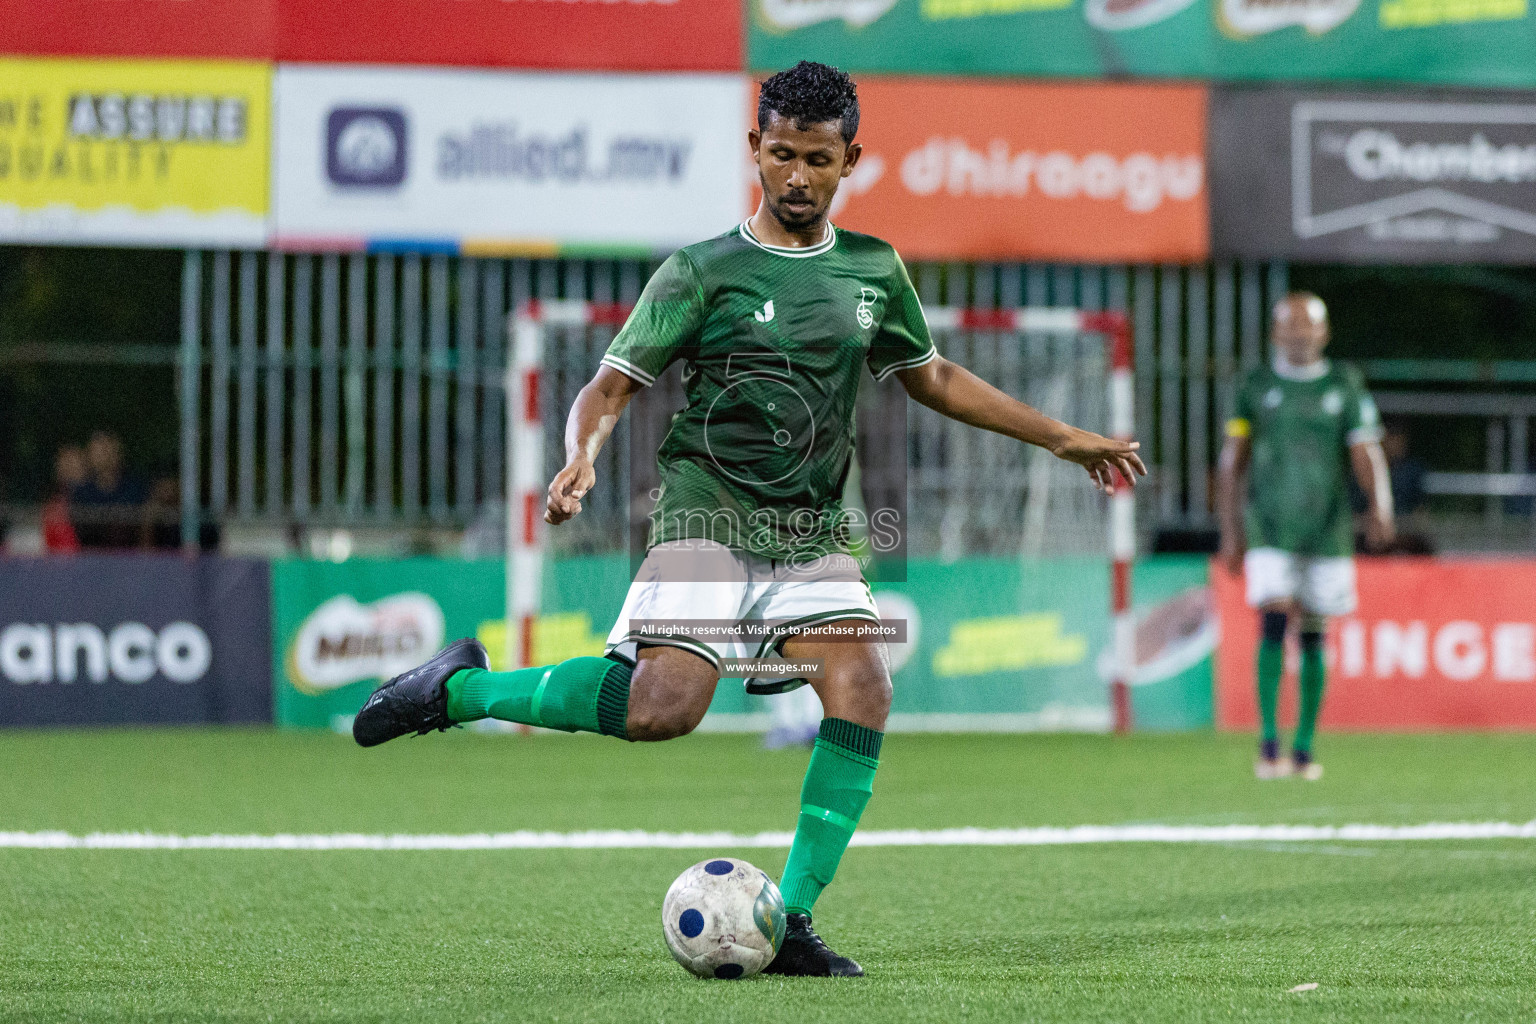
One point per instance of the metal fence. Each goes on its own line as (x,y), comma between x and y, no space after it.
(366,389)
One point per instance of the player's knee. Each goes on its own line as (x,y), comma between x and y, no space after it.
(869,690)
(1272,625)
(652,725)
(1311,639)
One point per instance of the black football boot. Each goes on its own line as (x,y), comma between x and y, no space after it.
(804,955)
(416,701)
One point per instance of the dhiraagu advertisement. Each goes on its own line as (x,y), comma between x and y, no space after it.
(993,644)
(137,152)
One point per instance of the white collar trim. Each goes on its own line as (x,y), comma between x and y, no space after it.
(1312,371)
(826,243)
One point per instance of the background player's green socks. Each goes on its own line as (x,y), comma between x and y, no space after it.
(577,695)
(1314,675)
(1271,663)
(837,786)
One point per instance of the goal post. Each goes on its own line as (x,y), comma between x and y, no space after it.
(526,430)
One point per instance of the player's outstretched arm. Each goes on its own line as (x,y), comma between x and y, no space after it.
(593,416)
(954,391)
(1232,473)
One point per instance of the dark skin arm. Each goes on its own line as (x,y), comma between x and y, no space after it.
(593,416)
(1366,461)
(1369,464)
(951,390)
(1231,481)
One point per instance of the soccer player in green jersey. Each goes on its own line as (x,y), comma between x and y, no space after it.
(775,322)
(1302,425)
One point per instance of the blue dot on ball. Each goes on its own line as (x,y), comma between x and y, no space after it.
(719,867)
(728,971)
(691,923)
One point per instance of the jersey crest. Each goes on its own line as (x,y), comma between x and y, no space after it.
(862,312)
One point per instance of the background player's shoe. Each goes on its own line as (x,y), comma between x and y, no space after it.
(1269,765)
(416,701)
(1303,765)
(804,955)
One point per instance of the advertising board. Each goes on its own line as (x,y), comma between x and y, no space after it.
(599,35)
(1449,42)
(992,644)
(118,639)
(496,162)
(1435,644)
(1428,177)
(1096,173)
(134,152)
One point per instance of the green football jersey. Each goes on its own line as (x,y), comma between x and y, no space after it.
(774,342)
(1302,423)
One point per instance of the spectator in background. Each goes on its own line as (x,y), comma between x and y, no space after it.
(1407,472)
(107,505)
(160,528)
(69,472)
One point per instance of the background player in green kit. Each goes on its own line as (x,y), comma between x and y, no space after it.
(775,321)
(1302,424)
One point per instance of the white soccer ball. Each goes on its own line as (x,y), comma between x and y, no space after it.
(723,918)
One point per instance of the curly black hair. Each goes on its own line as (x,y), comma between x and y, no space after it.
(810,93)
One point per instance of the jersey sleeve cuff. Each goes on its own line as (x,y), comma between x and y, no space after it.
(1364,435)
(629,369)
(908,364)
(1238,427)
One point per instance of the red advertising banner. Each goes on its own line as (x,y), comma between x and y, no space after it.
(603,35)
(1434,645)
(1082,172)
(140,28)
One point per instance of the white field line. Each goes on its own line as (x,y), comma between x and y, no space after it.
(638,840)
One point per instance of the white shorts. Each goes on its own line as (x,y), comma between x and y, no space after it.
(703,581)
(1321,585)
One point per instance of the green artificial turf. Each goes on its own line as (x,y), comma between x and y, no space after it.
(1396,931)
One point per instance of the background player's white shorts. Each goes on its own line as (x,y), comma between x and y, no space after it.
(1322,586)
(701,580)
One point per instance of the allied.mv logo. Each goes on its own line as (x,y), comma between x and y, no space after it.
(765,314)
(862,313)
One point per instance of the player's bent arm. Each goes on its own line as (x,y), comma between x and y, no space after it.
(952,390)
(1231,480)
(1369,463)
(594,414)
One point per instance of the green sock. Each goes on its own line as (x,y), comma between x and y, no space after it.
(1271,664)
(1314,675)
(837,786)
(577,695)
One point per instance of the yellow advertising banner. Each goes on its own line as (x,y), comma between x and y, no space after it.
(145,152)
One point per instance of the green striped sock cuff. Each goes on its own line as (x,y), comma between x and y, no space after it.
(613,701)
(850,738)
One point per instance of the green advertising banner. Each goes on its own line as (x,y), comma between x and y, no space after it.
(993,644)
(1449,42)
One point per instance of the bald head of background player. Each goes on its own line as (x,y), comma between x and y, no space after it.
(1299,329)
(804,155)
(1303,426)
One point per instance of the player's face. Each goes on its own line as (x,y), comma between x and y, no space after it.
(800,168)
(1299,331)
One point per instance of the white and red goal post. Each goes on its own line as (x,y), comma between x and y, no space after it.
(527,488)
(1115,327)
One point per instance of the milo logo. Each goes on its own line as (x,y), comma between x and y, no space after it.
(344,641)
